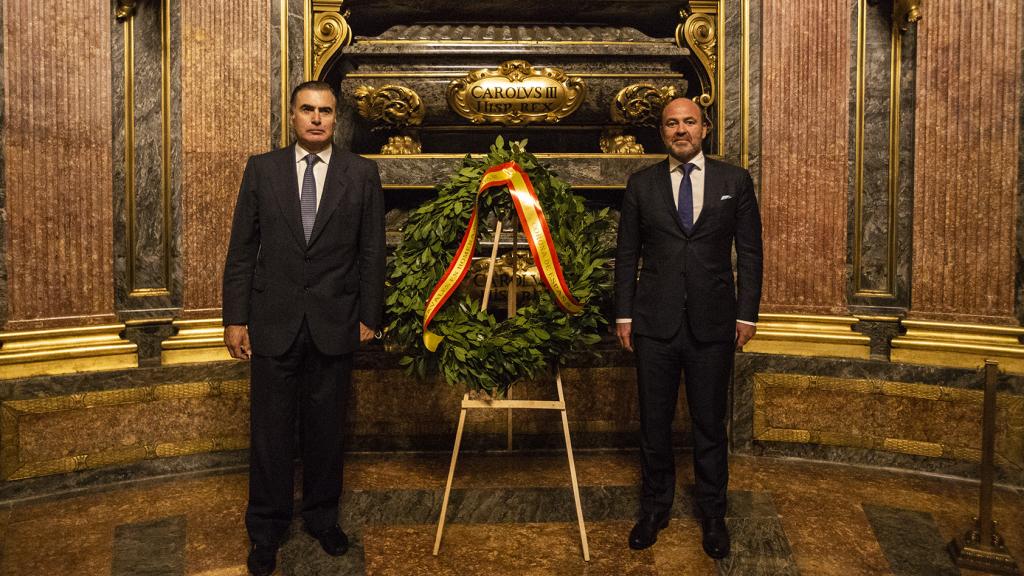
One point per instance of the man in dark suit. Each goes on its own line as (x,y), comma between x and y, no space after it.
(303,287)
(685,313)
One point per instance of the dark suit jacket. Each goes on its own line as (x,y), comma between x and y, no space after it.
(698,267)
(272,278)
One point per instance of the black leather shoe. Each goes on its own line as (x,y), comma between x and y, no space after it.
(645,532)
(332,540)
(262,560)
(716,537)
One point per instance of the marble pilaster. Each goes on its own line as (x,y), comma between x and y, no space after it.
(57,262)
(803,101)
(286,58)
(4,309)
(225,102)
(968,90)
(879,188)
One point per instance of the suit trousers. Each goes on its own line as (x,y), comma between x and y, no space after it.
(706,369)
(304,382)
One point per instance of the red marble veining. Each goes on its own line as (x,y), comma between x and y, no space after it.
(57,163)
(966,161)
(225,118)
(805,144)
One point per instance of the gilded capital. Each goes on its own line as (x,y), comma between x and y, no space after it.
(906,12)
(124,10)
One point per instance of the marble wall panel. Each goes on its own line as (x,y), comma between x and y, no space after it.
(57,163)
(225,118)
(805,87)
(966,161)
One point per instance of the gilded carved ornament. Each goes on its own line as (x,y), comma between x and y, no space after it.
(392,106)
(330,32)
(516,93)
(906,12)
(124,10)
(698,31)
(640,104)
(636,105)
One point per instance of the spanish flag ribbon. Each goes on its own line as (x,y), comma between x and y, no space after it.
(535,227)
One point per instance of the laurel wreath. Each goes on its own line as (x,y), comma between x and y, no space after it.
(478,351)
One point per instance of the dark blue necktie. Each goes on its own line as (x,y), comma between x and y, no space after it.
(307,196)
(686,198)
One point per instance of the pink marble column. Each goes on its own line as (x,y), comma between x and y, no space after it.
(804,134)
(225,118)
(57,163)
(966,161)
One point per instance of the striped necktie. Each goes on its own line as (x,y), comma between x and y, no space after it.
(308,196)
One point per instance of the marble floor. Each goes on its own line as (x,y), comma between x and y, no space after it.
(514,514)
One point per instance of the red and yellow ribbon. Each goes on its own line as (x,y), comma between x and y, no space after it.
(535,227)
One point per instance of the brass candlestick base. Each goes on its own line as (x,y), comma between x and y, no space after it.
(970,551)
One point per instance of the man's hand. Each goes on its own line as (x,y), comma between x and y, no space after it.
(624,330)
(236,338)
(744,332)
(365,333)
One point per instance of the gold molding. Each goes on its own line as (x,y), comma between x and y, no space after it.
(330,33)
(511,42)
(959,345)
(195,341)
(283,71)
(453,74)
(65,351)
(763,431)
(809,335)
(11,411)
(745,112)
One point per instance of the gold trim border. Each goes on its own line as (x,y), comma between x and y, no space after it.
(764,432)
(809,335)
(283,39)
(12,468)
(959,345)
(65,350)
(460,74)
(195,341)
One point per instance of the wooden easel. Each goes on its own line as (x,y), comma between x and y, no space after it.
(510,405)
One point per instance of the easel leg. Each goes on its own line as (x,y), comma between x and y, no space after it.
(448,485)
(572,471)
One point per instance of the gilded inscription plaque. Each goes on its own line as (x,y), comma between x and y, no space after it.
(516,93)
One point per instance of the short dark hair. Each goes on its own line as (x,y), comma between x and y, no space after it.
(318,85)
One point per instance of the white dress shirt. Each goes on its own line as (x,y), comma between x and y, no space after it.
(319,169)
(675,171)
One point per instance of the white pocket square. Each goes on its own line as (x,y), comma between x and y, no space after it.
(726,197)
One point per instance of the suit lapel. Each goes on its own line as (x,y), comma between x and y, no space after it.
(286,187)
(334,190)
(712,196)
(664,187)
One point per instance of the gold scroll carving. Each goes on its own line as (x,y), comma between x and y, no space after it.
(394,106)
(330,32)
(698,31)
